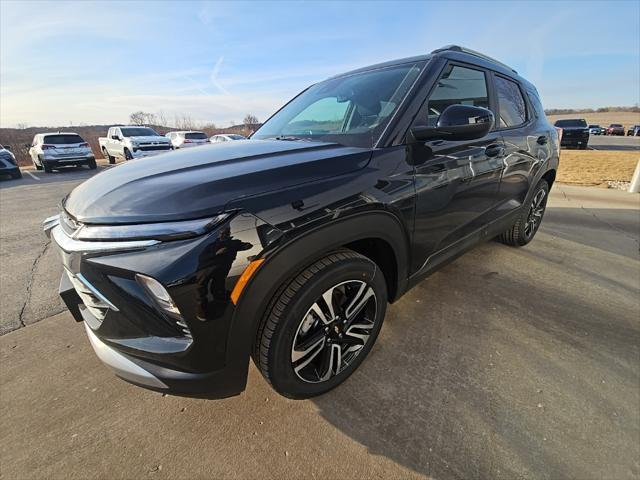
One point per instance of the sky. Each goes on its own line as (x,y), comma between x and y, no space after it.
(76,62)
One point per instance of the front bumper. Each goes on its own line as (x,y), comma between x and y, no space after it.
(128,331)
(148,153)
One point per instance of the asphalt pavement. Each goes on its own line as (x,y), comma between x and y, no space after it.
(508,363)
(614,142)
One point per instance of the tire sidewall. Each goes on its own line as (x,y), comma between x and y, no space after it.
(281,373)
(543,185)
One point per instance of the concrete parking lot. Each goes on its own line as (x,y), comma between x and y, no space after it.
(508,363)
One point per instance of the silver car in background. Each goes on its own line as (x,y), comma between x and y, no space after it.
(226,137)
(186,139)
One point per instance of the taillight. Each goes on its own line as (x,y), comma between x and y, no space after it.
(47,147)
(85,144)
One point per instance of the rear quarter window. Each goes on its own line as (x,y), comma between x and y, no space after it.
(512,107)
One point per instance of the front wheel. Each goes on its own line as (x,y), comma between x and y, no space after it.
(528,222)
(321,325)
(127,154)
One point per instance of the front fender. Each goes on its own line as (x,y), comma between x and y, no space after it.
(293,255)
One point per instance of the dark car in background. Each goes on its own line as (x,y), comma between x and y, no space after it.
(634,131)
(575,132)
(615,129)
(8,164)
(287,247)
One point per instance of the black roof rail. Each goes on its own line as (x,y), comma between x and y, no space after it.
(458,48)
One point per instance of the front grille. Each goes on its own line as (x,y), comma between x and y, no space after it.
(95,302)
(148,148)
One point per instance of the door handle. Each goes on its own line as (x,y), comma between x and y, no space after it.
(494,150)
(542,140)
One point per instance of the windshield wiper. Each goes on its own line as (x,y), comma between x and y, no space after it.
(288,138)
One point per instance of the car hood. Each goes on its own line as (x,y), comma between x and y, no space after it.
(188,184)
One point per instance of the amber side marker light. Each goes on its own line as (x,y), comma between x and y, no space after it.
(244,279)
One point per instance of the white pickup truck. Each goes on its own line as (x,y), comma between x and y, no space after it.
(129,142)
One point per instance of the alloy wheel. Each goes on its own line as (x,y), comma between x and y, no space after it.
(333,331)
(536,211)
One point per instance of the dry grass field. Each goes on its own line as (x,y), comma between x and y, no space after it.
(604,119)
(596,167)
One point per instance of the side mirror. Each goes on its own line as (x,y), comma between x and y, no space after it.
(457,122)
(115,137)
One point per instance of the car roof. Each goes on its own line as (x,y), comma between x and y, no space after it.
(451,52)
(186,131)
(58,133)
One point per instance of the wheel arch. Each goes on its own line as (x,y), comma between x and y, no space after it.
(372,234)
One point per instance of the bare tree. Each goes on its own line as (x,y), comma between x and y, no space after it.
(162,119)
(250,119)
(137,118)
(150,119)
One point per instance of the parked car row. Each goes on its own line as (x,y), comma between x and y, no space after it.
(575,132)
(52,150)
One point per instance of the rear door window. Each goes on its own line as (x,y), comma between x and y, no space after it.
(512,109)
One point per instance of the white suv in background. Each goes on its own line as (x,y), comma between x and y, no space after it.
(56,149)
(186,139)
(226,137)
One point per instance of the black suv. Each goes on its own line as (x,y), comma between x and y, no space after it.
(288,247)
(575,133)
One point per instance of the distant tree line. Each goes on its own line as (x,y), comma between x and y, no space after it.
(561,111)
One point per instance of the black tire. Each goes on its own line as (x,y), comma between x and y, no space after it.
(16,175)
(106,155)
(127,154)
(290,309)
(47,167)
(92,164)
(522,231)
(35,164)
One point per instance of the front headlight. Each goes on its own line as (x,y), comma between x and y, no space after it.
(149,231)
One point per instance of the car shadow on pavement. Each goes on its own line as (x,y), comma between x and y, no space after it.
(491,370)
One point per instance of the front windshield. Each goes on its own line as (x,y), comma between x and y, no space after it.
(350,110)
(139,132)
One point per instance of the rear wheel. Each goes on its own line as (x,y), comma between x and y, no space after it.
(47,167)
(16,175)
(36,164)
(321,325)
(526,225)
(92,164)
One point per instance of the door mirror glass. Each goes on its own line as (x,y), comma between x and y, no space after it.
(457,122)
(115,137)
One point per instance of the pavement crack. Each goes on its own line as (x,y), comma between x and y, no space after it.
(32,274)
(610,225)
